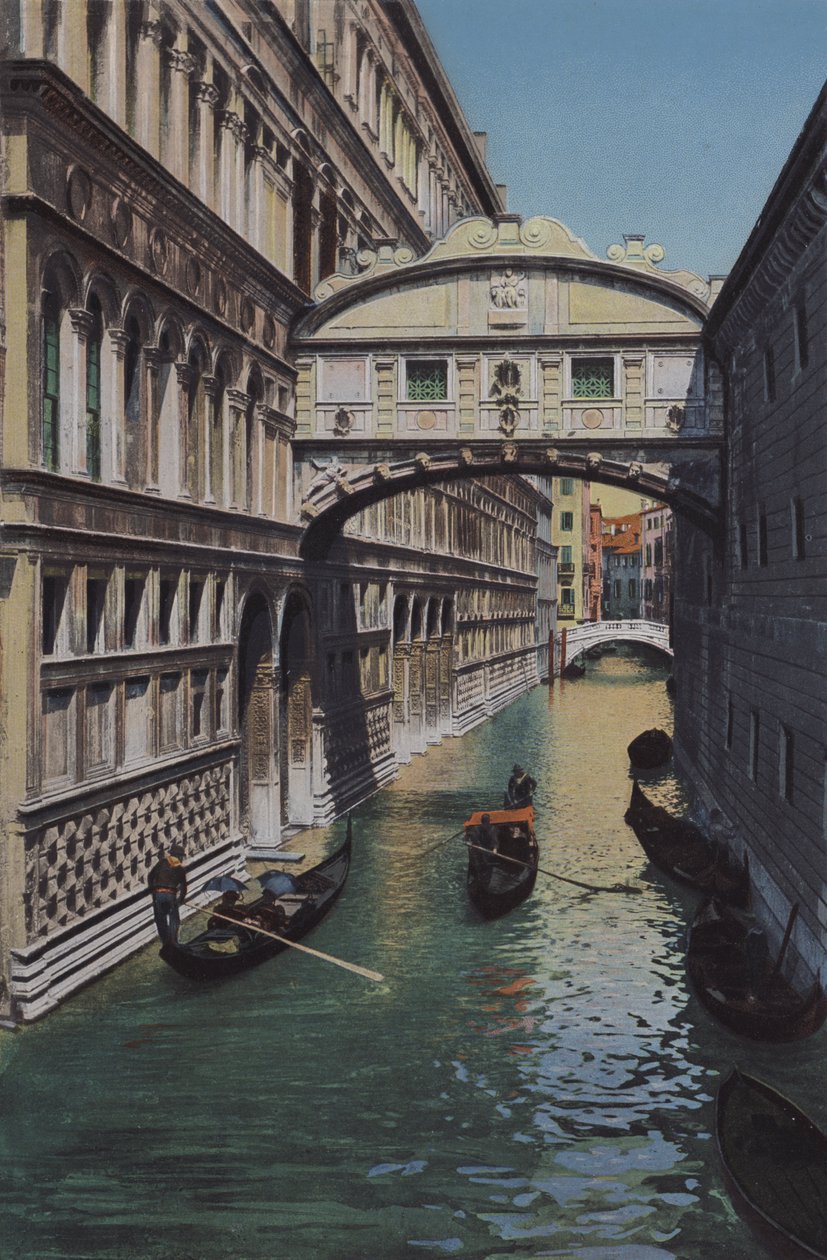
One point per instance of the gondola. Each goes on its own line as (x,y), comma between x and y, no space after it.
(496,885)
(650,749)
(227,950)
(575,669)
(731,972)
(680,850)
(775,1158)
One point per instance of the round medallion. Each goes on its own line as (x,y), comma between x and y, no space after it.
(593,418)
(158,250)
(78,193)
(246,315)
(220,296)
(425,419)
(120,222)
(269,332)
(193,275)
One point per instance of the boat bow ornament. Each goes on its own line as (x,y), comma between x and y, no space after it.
(508,347)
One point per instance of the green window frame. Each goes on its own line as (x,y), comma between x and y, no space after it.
(567,485)
(426,380)
(567,521)
(592,378)
(566,555)
(50,425)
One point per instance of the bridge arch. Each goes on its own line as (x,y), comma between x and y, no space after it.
(508,348)
(579,639)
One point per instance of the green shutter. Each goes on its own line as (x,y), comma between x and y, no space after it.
(51,392)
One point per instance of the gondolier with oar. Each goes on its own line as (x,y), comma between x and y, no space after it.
(520,790)
(168,887)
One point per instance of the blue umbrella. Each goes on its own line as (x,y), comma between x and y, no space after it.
(224,883)
(278,882)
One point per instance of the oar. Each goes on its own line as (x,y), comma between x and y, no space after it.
(553,874)
(440,843)
(305,949)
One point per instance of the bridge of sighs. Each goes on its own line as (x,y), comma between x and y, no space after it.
(510,347)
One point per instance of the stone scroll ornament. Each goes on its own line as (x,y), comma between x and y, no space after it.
(507,390)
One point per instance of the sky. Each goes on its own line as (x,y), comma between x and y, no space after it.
(669,117)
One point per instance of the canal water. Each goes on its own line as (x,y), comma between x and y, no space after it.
(541,1085)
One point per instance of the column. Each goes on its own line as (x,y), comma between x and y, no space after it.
(82,324)
(551,397)
(256,503)
(184,374)
(240,209)
(113,425)
(227,194)
(257,217)
(204,175)
(182,65)
(350,67)
(116,65)
(210,391)
(151,358)
(236,455)
(148,96)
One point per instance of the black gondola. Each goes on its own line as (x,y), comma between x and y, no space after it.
(575,669)
(775,1158)
(730,970)
(495,884)
(680,850)
(227,950)
(650,749)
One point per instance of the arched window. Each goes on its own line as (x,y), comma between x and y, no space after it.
(50,422)
(93,391)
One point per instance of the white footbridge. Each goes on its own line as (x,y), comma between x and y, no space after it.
(575,640)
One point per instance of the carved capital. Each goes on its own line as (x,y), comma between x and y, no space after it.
(238,400)
(82,322)
(184,373)
(119,340)
(152,31)
(178,59)
(207,93)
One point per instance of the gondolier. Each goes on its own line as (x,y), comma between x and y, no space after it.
(521,789)
(168,886)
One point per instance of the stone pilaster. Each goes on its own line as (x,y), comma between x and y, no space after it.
(184,375)
(113,424)
(633,390)
(468,392)
(82,325)
(385,394)
(551,392)
(151,359)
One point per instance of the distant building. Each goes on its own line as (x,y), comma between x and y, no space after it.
(570,532)
(657,564)
(622,567)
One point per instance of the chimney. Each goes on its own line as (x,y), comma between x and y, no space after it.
(502,193)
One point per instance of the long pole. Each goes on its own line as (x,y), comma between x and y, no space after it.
(305,949)
(628,888)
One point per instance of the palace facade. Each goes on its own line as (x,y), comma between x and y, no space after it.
(178,179)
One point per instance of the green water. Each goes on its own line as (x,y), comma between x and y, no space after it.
(541,1085)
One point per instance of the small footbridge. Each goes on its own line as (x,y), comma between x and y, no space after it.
(574,641)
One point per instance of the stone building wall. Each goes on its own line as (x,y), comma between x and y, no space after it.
(751,606)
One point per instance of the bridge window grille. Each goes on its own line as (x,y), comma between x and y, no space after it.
(427,380)
(592,378)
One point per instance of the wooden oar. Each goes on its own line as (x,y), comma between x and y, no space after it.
(553,874)
(440,843)
(305,949)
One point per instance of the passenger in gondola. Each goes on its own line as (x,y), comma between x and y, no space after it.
(487,834)
(226,908)
(268,914)
(521,789)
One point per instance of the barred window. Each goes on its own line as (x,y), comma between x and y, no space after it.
(592,378)
(427,380)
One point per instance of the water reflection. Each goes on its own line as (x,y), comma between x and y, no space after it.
(536,1085)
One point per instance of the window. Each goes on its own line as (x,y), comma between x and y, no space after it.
(566,555)
(754,736)
(95,602)
(632,588)
(567,600)
(743,547)
(93,392)
(136,719)
(658,551)
(427,380)
(802,345)
(133,596)
(648,553)
(592,378)
(567,485)
(58,734)
(195,601)
(51,385)
(168,590)
(769,375)
(53,602)
(218,625)
(220,701)
(785,764)
(98,727)
(730,724)
(567,521)
(797,528)
(198,691)
(618,588)
(170,690)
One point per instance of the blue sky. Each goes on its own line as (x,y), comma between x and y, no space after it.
(669,117)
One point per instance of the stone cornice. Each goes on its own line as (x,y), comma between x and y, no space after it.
(150,185)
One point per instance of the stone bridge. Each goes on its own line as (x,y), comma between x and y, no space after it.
(577,640)
(508,348)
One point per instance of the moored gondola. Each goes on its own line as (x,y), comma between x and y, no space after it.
(775,1158)
(681,850)
(228,949)
(575,669)
(731,971)
(499,880)
(650,749)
